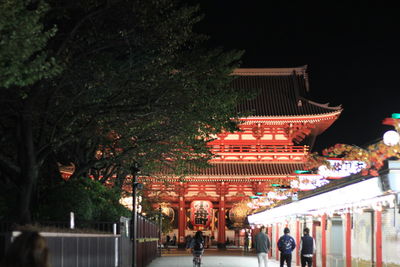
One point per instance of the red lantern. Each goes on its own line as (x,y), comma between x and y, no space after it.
(201,213)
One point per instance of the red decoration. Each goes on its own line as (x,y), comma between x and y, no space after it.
(390,121)
(201,213)
(258,132)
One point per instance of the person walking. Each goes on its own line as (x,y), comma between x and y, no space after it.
(167,242)
(197,246)
(307,248)
(174,240)
(246,241)
(262,246)
(286,245)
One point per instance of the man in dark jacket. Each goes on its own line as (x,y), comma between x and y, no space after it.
(286,245)
(262,246)
(307,248)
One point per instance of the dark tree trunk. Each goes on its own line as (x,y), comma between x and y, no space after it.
(28,166)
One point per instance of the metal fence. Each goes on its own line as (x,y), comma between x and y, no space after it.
(147,242)
(104,244)
(77,250)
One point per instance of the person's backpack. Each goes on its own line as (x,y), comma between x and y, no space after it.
(198,245)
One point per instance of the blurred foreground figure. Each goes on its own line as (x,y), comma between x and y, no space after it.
(29,249)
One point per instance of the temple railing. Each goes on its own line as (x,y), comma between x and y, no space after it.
(258,152)
(258,149)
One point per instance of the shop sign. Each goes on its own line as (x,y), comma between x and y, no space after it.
(341,168)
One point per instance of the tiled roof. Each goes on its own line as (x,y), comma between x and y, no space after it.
(281,93)
(245,169)
(251,169)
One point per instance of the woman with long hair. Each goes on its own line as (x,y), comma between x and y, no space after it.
(197,246)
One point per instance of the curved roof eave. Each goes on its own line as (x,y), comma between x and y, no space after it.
(270,71)
(284,119)
(326,105)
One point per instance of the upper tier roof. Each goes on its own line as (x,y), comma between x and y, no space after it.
(281,93)
(242,169)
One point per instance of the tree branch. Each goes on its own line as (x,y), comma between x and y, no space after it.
(9,168)
(76,28)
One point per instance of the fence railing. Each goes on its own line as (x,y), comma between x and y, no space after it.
(88,226)
(99,245)
(147,241)
(79,226)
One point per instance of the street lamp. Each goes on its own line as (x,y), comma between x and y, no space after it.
(160,226)
(391,138)
(135,185)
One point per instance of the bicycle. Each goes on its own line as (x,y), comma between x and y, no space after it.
(197,260)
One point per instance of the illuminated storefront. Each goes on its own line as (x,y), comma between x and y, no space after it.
(354,220)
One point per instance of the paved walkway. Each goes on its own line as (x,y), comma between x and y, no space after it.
(211,258)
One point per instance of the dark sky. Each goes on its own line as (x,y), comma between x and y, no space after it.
(352,51)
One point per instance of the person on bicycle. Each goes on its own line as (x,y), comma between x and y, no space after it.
(197,245)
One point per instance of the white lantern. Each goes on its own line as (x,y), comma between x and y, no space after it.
(391,138)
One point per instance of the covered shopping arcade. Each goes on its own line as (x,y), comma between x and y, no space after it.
(355,220)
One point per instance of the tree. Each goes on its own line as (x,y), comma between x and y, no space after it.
(138,85)
(24,62)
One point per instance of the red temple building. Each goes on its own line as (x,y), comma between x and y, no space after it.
(272,144)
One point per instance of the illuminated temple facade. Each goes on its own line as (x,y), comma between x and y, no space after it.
(272,144)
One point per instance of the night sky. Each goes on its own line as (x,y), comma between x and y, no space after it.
(352,51)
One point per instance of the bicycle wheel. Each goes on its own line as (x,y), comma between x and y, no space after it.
(196,262)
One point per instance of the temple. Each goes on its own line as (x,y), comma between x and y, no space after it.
(261,158)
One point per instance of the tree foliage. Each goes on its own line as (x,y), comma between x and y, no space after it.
(136,85)
(88,199)
(23,59)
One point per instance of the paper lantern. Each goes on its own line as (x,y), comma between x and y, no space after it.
(201,213)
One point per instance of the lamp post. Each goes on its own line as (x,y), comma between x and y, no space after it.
(135,185)
(160,228)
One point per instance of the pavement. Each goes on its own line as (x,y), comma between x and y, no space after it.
(211,258)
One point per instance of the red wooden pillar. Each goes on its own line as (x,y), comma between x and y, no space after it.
(323,240)
(221,221)
(181,221)
(297,242)
(378,237)
(270,239)
(348,239)
(314,231)
(276,241)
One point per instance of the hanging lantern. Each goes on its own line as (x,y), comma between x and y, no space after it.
(167,211)
(238,213)
(201,213)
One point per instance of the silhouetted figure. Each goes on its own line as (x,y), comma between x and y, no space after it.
(167,242)
(29,249)
(246,241)
(174,240)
